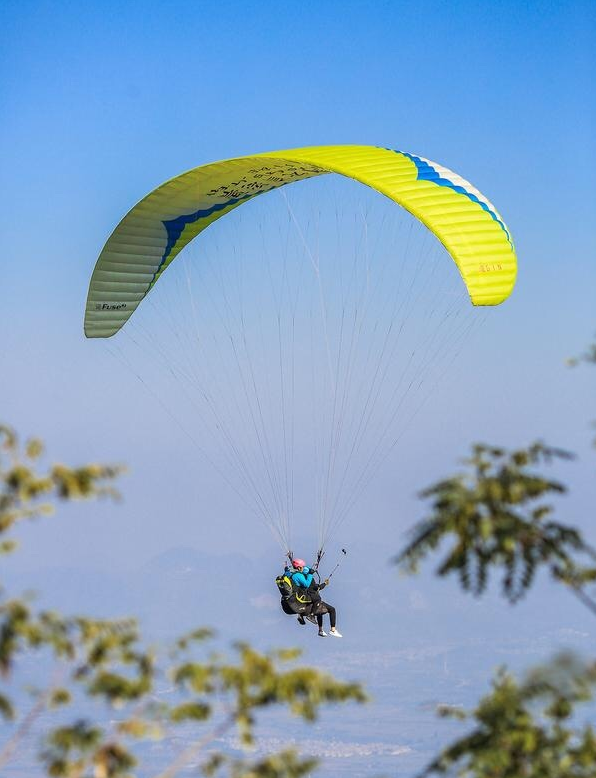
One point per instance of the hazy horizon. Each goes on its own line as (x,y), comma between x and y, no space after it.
(102,103)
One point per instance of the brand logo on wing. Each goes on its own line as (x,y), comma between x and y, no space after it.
(260,179)
(110,306)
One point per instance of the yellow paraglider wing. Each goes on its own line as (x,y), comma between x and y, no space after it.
(154,232)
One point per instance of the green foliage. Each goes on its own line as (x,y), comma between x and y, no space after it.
(6,708)
(27,493)
(68,748)
(198,711)
(526,730)
(285,764)
(589,356)
(498,516)
(59,697)
(107,661)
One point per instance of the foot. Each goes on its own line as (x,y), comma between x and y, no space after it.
(322,633)
(301,620)
(335,633)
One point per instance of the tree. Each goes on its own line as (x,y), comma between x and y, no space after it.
(109,661)
(497,517)
(526,730)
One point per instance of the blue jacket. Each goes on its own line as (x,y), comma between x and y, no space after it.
(303,579)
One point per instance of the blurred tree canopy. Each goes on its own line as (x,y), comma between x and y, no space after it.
(110,662)
(527,729)
(497,517)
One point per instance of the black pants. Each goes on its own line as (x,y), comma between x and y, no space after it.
(331,612)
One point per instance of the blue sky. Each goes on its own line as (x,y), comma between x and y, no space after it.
(101,102)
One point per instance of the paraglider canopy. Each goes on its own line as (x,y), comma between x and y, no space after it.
(154,232)
(338,356)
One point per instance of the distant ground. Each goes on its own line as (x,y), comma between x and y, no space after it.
(414,643)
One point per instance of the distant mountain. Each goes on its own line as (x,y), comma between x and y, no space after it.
(183,587)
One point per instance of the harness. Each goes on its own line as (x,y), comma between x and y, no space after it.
(294,599)
(297,600)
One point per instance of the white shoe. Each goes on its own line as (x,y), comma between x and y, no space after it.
(322,633)
(335,633)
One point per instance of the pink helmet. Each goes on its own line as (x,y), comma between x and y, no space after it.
(298,563)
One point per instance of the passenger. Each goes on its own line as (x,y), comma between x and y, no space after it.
(303,578)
